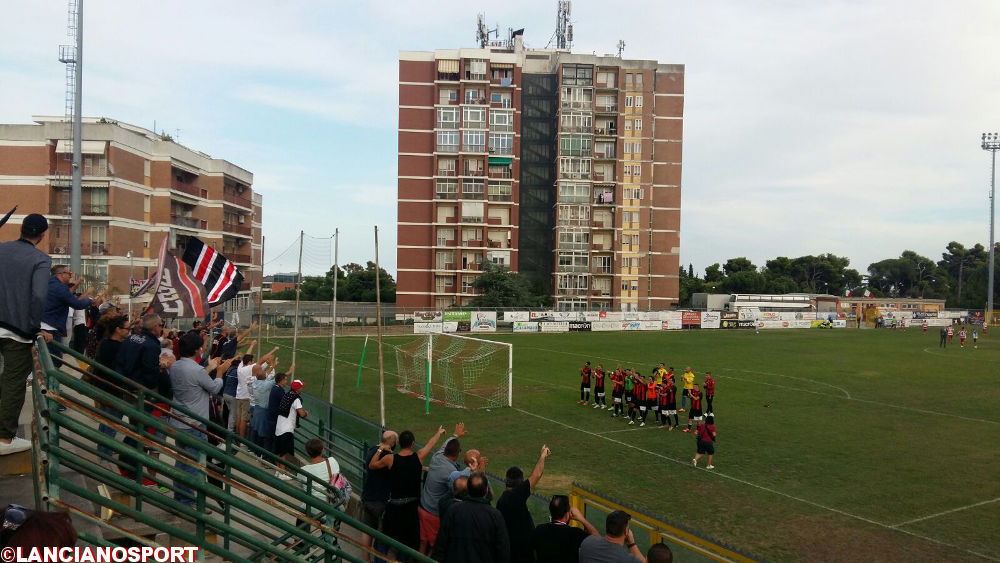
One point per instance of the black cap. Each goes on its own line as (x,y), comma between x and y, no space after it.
(34,225)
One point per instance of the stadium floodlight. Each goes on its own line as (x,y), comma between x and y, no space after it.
(991,142)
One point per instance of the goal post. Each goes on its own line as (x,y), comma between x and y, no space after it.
(457,371)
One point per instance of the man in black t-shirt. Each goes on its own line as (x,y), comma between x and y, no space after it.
(375,493)
(513,505)
(556,541)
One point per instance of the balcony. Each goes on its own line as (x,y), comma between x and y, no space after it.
(606,131)
(494,221)
(500,197)
(446,195)
(476,101)
(606,247)
(572,291)
(451,219)
(572,268)
(98,249)
(189,189)
(503,103)
(189,222)
(472,219)
(449,265)
(446,172)
(602,224)
(600,293)
(576,104)
(472,243)
(60,208)
(470,172)
(505,174)
(236,228)
(237,200)
(574,175)
(604,155)
(497,244)
(473,196)
(502,81)
(446,148)
(606,108)
(605,198)
(472,266)
(602,270)
(607,177)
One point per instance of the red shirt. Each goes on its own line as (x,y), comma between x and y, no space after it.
(585,374)
(706,432)
(599,377)
(639,389)
(618,381)
(695,399)
(709,387)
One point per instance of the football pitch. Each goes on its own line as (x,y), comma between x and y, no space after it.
(877,444)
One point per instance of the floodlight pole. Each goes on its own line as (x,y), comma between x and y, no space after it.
(991,142)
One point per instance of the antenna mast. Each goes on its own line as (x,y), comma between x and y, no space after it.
(483,33)
(564,29)
(621,47)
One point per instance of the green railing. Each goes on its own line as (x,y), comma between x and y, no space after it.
(253,514)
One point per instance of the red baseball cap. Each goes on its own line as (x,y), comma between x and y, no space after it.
(296,385)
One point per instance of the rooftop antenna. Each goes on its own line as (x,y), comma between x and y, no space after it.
(621,47)
(563,36)
(483,33)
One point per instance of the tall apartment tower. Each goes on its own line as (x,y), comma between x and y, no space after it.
(138,187)
(564,167)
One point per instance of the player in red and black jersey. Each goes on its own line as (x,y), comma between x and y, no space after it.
(585,384)
(599,401)
(695,412)
(650,400)
(639,390)
(617,390)
(709,392)
(667,400)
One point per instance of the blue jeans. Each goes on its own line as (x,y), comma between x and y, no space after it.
(185,494)
(107,430)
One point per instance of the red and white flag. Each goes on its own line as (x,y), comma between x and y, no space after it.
(216,272)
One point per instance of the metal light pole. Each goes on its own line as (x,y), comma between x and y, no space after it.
(991,142)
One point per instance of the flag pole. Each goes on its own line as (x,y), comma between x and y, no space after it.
(333,335)
(361,364)
(378,324)
(298,292)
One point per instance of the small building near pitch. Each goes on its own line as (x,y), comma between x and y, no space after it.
(869,308)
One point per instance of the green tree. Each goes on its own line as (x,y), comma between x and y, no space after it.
(497,286)
(713,273)
(688,286)
(359,284)
(741,264)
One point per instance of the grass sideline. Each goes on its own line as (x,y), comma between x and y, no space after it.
(877,445)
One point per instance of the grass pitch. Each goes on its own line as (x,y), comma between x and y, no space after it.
(877,445)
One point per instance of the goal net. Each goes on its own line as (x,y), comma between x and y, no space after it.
(459,371)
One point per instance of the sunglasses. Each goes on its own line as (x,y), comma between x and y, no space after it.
(14,516)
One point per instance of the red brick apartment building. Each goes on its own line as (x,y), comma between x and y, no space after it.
(138,188)
(564,167)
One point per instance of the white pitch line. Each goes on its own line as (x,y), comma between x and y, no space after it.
(953,510)
(756,486)
(957,358)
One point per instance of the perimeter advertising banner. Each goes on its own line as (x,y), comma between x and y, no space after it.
(554,326)
(729,315)
(710,320)
(579,326)
(605,326)
(743,323)
(428,328)
(428,316)
(484,321)
(691,319)
(515,316)
(522,326)
(630,325)
(457,316)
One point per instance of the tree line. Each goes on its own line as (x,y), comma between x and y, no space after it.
(354,283)
(959,277)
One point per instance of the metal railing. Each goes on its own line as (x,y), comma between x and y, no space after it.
(253,513)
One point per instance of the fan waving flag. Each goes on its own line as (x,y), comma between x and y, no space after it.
(219,276)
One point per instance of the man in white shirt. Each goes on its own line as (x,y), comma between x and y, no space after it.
(288,412)
(248,372)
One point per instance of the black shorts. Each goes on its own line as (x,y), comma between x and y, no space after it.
(584,386)
(694,414)
(629,398)
(284,444)
(599,390)
(706,447)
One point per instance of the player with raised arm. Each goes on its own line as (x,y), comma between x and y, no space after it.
(585,384)
(599,401)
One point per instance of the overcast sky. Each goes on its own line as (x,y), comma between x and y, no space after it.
(850,127)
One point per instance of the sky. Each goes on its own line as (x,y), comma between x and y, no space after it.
(843,126)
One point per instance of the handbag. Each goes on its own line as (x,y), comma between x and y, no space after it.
(339,483)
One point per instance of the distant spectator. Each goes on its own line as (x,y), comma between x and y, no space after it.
(513,504)
(79,322)
(262,422)
(473,531)
(275,396)
(659,553)
(24,279)
(401,521)
(459,491)
(557,541)
(617,545)
(437,487)
(59,301)
(289,412)
(107,351)
(375,493)
(323,468)
(26,528)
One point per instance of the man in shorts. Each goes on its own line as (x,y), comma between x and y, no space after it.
(630,394)
(585,384)
(288,412)
(599,401)
(962,335)
(709,392)
(651,406)
(695,413)
(667,398)
(639,388)
(688,378)
(617,391)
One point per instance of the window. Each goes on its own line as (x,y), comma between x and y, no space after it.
(604,149)
(447,118)
(499,192)
(628,101)
(500,258)
(474,141)
(472,212)
(630,262)
(501,120)
(629,79)
(637,148)
(633,193)
(447,189)
(638,125)
(603,265)
(503,99)
(98,201)
(574,239)
(473,167)
(98,240)
(447,166)
(578,98)
(472,96)
(95,165)
(446,260)
(475,69)
(638,101)
(582,75)
(447,141)
(574,260)
(467,282)
(443,236)
(628,124)
(575,145)
(501,143)
(472,234)
(570,167)
(573,193)
(570,281)
(606,79)
(473,189)
(638,80)
(473,118)
(576,121)
(447,95)
(573,214)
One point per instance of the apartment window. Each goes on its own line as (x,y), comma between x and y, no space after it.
(447,95)
(499,192)
(501,98)
(473,189)
(630,262)
(628,124)
(443,236)
(570,167)
(98,240)
(629,80)
(638,101)
(576,121)
(473,167)
(638,80)
(637,148)
(474,141)
(446,260)
(603,264)
(501,120)
(604,149)
(475,69)
(447,141)
(472,234)
(574,239)
(472,212)
(575,145)
(638,125)
(502,143)
(98,201)
(628,101)
(474,118)
(500,258)
(577,97)
(472,96)
(447,118)
(633,193)
(573,193)
(447,189)
(447,166)
(581,75)
(569,214)
(95,165)
(574,259)
(606,79)
(570,281)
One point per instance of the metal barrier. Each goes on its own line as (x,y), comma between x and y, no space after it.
(252,512)
(649,530)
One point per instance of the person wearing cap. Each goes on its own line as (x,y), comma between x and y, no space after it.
(24,280)
(288,412)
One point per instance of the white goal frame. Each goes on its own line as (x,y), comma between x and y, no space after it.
(510,359)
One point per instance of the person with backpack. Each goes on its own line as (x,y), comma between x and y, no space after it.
(705,435)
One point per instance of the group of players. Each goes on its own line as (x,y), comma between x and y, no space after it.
(634,396)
